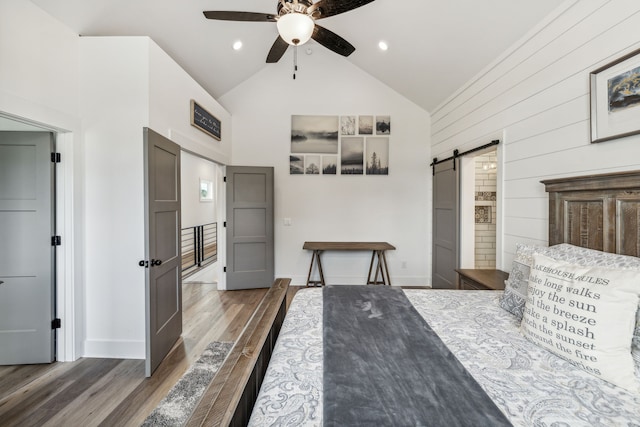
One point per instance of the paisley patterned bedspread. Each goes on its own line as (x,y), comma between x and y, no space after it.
(531,386)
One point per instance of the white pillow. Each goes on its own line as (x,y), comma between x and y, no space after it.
(585,315)
(515,292)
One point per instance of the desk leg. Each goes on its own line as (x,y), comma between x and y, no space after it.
(315,257)
(385,267)
(382,269)
(379,269)
(369,281)
(320,268)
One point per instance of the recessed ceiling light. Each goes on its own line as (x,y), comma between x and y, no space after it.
(237,45)
(383,45)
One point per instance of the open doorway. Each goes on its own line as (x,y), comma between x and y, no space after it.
(479,210)
(201,225)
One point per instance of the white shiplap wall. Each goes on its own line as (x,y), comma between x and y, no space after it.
(537,95)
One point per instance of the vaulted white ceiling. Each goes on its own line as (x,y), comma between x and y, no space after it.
(435,46)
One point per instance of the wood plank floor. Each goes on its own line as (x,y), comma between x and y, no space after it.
(115,392)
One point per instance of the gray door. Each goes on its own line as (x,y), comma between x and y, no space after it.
(27,279)
(162,247)
(445,225)
(250,260)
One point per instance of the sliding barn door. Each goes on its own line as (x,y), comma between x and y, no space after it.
(445,224)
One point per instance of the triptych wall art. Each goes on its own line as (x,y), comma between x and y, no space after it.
(344,145)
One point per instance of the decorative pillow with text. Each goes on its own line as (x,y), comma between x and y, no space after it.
(585,315)
(515,287)
(515,292)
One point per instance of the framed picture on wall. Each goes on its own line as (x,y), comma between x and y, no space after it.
(383,125)
(314,134)
(615,99)
(377,157)
(311,165)
(352,156)
(329,165)
(206,190)
(348,125)
(365,125)
(296,165)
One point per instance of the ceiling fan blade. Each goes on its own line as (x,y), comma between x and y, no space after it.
(325,8)
(277,50)
(332,41)
(223,15)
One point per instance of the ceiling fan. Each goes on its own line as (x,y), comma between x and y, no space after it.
(296,24)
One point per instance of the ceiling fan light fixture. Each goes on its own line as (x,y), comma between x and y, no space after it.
(295,28)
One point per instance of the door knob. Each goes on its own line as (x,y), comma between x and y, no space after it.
(1,282)
(155,262)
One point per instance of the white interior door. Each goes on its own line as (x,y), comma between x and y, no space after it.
(27,257)
(162,247)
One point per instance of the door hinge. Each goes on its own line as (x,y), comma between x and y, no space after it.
(56,324)
(224,224)
(56,240)
(224,269)
(55,157)
(224,179)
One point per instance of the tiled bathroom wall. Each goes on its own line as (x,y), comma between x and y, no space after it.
(485,211)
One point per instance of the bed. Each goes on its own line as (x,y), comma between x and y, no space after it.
(594,237)
(531,385)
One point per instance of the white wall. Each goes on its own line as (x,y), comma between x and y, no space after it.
(114,87)
(127,83)
(38,58)
(538,93)
(170,93)
(394,208)
(38,84)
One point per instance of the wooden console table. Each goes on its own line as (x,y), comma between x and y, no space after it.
(377,251)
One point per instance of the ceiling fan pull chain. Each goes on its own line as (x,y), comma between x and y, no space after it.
(295,61)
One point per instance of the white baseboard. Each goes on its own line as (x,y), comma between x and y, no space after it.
(114,349)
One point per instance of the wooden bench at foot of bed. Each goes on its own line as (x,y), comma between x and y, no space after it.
(230,397)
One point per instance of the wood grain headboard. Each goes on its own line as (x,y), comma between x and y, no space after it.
(596,211)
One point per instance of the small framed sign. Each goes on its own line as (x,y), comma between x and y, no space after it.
(205,121)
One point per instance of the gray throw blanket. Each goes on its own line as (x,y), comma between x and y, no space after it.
(384,366)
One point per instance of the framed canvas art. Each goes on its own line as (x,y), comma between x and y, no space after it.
(615,99)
